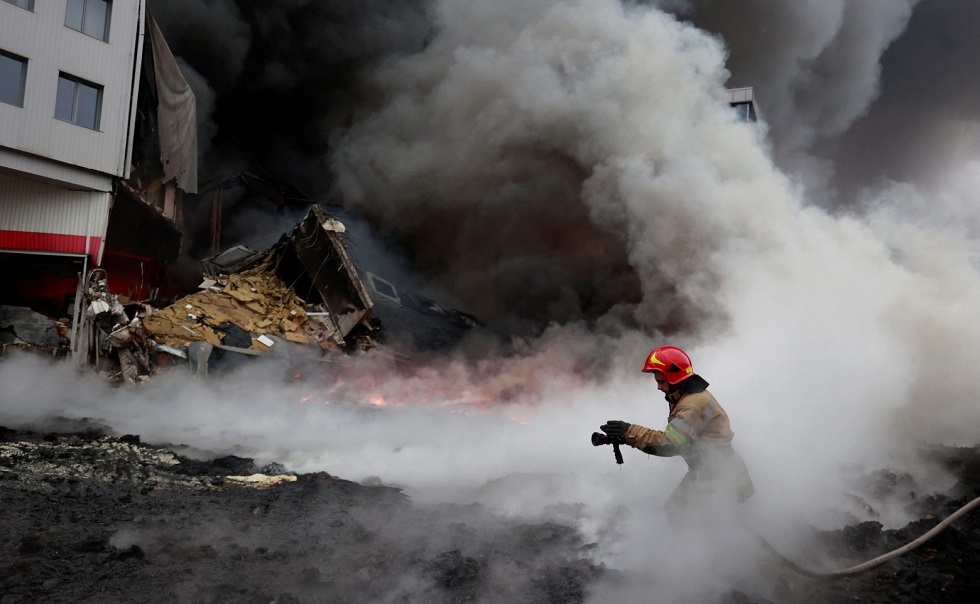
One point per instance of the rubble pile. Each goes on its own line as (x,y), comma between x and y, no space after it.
(25,329)
(247,313)
(247,304)
(303,293)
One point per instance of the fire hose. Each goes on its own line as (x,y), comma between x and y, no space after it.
(874,562)
(599,439)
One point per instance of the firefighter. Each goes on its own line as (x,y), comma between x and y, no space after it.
(697,429)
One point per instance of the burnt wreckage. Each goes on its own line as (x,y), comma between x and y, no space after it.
(303,293)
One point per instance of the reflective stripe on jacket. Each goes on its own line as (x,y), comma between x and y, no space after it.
(697,429)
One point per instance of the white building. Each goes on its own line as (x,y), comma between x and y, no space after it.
(70,85)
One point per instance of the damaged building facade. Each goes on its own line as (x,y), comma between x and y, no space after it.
(98,145)
(98,148)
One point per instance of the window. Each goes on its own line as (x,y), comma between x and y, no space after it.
(89,17)
(383,288)
(13,72)
(78,102)
(26,4)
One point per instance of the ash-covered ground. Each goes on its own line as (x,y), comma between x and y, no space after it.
(94,516)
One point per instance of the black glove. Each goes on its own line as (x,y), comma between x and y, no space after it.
(616,429)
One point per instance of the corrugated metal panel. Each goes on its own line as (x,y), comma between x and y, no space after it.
(51,48)
(40,217)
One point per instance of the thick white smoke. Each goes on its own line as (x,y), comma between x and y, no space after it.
(835,342)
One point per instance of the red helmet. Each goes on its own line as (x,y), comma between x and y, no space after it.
(670,361)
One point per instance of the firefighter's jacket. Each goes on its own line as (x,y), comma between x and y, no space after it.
(698,430)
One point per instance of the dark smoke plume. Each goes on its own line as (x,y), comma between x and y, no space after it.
(287,74)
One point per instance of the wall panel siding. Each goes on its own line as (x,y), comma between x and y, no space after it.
(51,48)
(35,216)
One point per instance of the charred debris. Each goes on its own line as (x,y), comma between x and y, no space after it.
(303,297)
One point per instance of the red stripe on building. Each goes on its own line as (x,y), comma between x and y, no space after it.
(50,242)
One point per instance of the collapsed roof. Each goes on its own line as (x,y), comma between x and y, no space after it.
(304,289)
